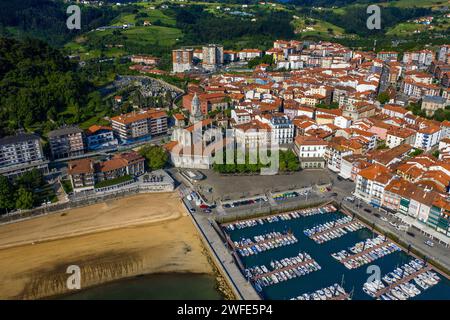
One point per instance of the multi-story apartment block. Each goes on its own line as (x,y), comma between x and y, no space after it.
(21,153)
(396,136)
(248,54)
(337,149)
(212,56)
(439,218)
(427,137)
(66,142)
(443,52)
(240,116)
(100,137)
(281,127)
(418,90)
(422,57)
(371,182)
(387,55)
(351,165)
(139,126)
(394,110)
(445,129)
(81,173)
(130,163)
(311,152)
(85,173)
(182,59)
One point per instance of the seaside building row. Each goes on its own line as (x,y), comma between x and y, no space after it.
(86,173)
(24,152)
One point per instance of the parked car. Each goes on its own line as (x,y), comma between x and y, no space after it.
(192,210)
(410,234)
(429,243)
(367,210)
(350,199)
(340,178)
(384,219)
(207,211)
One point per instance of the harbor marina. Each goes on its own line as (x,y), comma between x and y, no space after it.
(368,248)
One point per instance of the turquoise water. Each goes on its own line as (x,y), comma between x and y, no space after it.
(174,286)
(332,271)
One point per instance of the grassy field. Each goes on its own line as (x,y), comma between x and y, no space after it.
(417,3)
(98,119)
(406,28)
(135,36)
(440,23)
(320,28)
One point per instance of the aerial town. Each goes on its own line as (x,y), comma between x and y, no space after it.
(360,130)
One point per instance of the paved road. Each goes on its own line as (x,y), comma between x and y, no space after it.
(439,253)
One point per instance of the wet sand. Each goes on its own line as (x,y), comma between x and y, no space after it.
(122,238)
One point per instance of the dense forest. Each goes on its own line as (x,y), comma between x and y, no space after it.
(200,26)
(40,88)
(46,19)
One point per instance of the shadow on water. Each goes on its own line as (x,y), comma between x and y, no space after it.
(153,287)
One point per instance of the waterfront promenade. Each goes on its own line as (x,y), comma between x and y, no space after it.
(242,288)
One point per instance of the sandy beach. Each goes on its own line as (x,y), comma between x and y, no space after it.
(142,234)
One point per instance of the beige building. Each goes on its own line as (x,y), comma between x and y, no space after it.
(432,103)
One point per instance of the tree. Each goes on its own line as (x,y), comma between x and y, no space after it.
(30,180)
(332,105)
(6,193)
(416,152)
(383,97)
(156,156)
(24,199)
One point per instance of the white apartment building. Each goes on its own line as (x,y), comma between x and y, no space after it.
(240,116)
(427,137)
(396,137)
(311,151)
(281,127)
(371,182)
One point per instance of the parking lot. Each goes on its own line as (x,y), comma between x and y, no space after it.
(217,187)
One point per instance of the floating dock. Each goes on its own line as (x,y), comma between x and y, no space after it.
(287,268)
(338,227)
(402,280)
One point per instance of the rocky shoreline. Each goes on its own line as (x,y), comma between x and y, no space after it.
(221,284)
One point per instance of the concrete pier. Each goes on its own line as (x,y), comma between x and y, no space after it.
(223,258)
